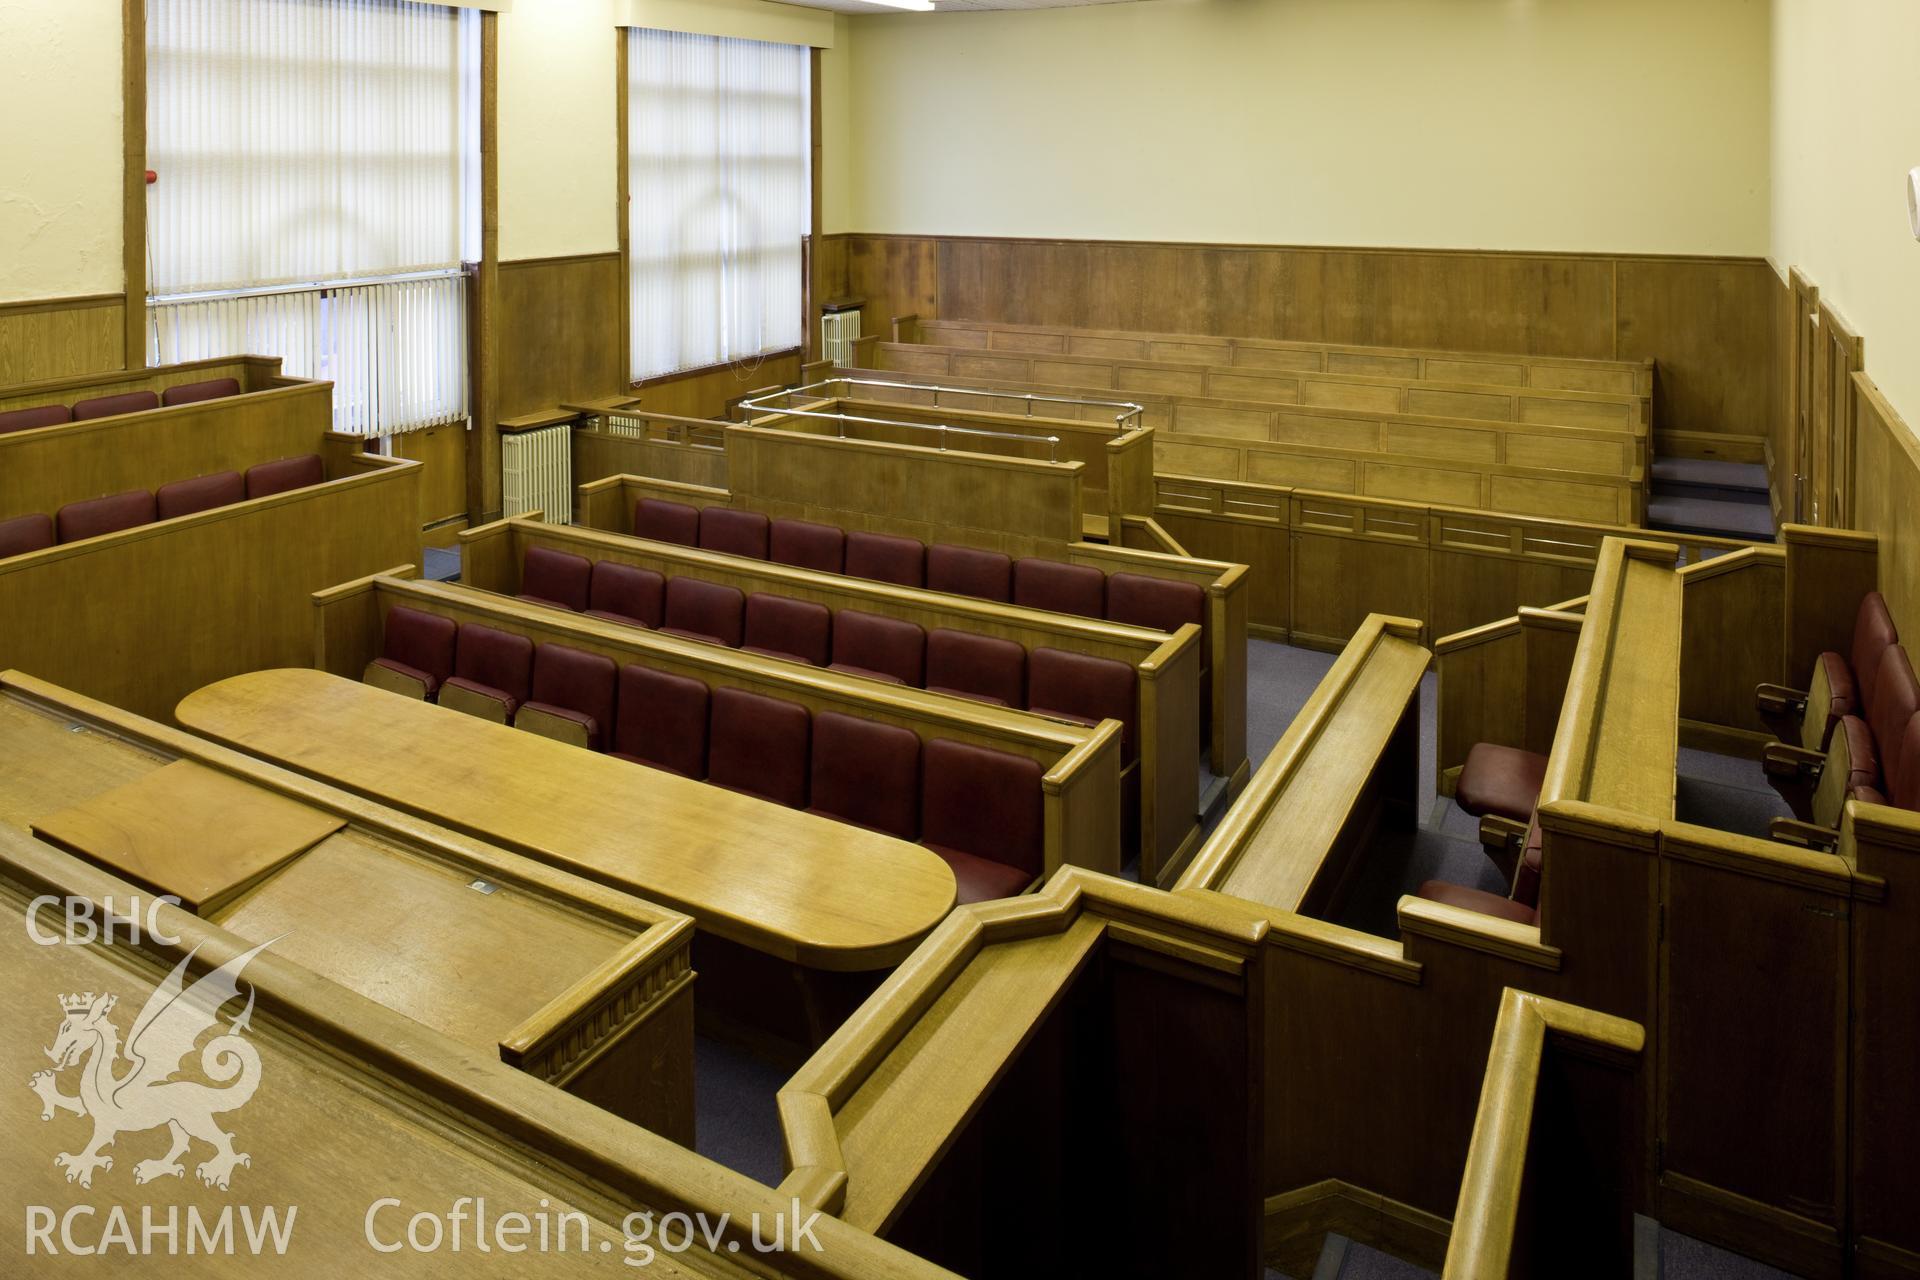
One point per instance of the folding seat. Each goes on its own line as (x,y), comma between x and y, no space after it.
(195,392)
(492,672)
(1901,786)
(970,571)
(113,406)
(1083,689)
(737,533)
(556,577)
(1500,786)
(1059,587)
(572,697)
(202,493)
(981,812)
(782,627)
(866,773)
(983,668)
(758,745)
(806,545)
(285,474)
(416,653)
(886,558)
(1837,686)
(1815,783)
(701,610)
(96,516)
(40,415)
(889,649)
(1522,907)
(662,721)
(626,593)
(666,522)
(22,534)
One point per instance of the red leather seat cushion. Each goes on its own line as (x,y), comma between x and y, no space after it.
(22,534)
(1895,697)
(556,577)
(420,643)
(970,571)
(736,533)
(40,415)
(98,516)
(113,406)
(1903,783)
(195,392)
(758,745)
(1083,688)
(806,545)
(495,663)
(568,680)
(1504,781)
(1864,767)
(985,667)
(285,474)
(706,610)
(666,521)
(1844,693)
(866,773)
(890,646)
(886,558)
(980,879)
(1157,603)
(789,628)
(627,592)
(1059,587)
(1478,900)
(662,721)
(1873,631)
(985,803)
(202,493)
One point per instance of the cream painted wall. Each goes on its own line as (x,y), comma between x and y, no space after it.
(1846,129)
(1584,125)
(836,132)
(558,132)
(60,205)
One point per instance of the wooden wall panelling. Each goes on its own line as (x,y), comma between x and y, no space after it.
(61,337)
(1705,322)
(893,275)
(559,331)
(1780,387)
(1731,641)
(442,453)
(710,392)
(1842,354)
(1886,498)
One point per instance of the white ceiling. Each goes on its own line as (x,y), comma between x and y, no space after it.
(863,6)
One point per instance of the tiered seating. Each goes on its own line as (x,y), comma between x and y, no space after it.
(49,415)
(96,517)
(1838,684)
(1866,757)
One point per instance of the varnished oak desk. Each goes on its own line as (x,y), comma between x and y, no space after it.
(803,889)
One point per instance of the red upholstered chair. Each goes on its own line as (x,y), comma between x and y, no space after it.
(1500,786)
(758,745)
(1084,689)
(886,558)
(866,773)
(626,593)
(1837,686)
(202,493)
(572,697)
(1059,587)
(1158,603)
(984,668)
(1523,907)
(701,610)
(666,522)
(890,649)
(1902,786)
(556,577)
(970,571)
(662,721)
(416,653)
(40,415)
(96,516)
(284,475)
(782,627)
(22,534)
(113,406)
(195,392)
(1894,697)
(493,671)
(737,533)
(807,545)
(981,812)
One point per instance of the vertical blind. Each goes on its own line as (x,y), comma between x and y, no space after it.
(718,139)
(315,163)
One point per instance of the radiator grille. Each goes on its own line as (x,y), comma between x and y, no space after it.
(838,332)
(536,473)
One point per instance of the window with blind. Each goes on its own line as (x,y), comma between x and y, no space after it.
(316,194)
(718,138)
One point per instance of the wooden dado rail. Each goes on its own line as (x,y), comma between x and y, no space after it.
(595,995)
(1296,834)
(1081,786)
(142,617)
(1586,473)
(275,417)
(1549,373)
(1167,667)
(608,504)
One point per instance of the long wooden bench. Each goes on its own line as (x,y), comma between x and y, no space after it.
(595,996)
(1551,373)
(1167,667)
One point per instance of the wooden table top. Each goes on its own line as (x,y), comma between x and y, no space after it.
(798,887)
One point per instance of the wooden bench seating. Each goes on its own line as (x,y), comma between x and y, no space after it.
(340,885)
(983,650)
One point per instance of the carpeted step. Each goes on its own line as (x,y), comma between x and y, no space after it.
(1710,518)
(1710,479)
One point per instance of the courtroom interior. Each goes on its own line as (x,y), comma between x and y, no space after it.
(839,639)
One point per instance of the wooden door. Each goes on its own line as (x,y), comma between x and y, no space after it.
(1842,355)
(1806,302)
